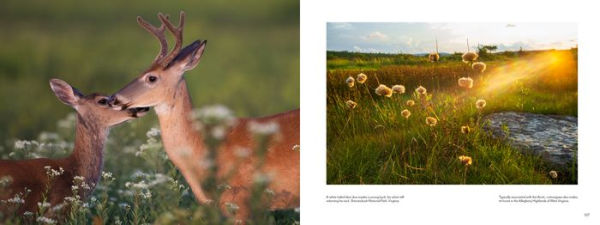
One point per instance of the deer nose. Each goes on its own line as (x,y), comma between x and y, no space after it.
(113,101)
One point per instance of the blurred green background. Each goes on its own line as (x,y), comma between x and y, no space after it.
(251,64)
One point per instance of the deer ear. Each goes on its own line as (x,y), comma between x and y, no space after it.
(64,92)
(189,57)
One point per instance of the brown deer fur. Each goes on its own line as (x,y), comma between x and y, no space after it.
(163,87)
(93,123)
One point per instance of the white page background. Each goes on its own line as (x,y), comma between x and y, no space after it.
(445,204)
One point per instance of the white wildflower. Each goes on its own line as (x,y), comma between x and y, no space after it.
(52,172)
(124,205)
(232,207)
(268,128)
(269,192)
(218,132)
(261,178)
(242,152)
(43,204)
(153,132)
(16,200)
(45,220)
(106,175)
(5,181)
(215,114)
(296,148)
(21,144)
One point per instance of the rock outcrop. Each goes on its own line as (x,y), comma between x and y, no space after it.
(552,137)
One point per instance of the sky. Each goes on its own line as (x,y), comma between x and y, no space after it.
(414,38)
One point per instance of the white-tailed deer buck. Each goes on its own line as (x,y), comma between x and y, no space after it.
(55,177)
(163,87)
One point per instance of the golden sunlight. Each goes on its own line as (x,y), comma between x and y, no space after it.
(553,67)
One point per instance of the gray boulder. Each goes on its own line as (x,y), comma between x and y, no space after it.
(552,137)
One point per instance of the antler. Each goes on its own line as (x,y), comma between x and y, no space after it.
(177,32)
(162,58)
(159,33)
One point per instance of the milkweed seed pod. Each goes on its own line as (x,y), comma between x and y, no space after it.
(350,81)
(479,67)
(465,82)
(469,57)
(434,57)
(383,90)
(398,89)
(361,78)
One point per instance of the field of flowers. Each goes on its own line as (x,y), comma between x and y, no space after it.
(139,184)
(401,119)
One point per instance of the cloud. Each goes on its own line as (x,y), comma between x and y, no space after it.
(366,50)
(421,37)
(341,26)
(376,36)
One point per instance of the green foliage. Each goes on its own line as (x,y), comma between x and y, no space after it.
(375,144)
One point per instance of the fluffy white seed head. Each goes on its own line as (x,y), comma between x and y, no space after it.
(431,121)
(434,57)
(383,90)
(480,104)
(469,57)
(465,129)
(405,113)
(350,81)
(421,90)
(479,67)
(361,78)
(410,102)
(465,160)
(398,89)
(465,82)
(351,104)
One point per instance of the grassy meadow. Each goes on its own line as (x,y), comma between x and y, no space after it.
(374,143)
(251,66)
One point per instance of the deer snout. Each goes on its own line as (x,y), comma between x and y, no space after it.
(116,102)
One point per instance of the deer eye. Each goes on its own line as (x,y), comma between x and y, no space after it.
(102,101)
(152,79)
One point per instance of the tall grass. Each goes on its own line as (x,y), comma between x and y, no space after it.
(374,144)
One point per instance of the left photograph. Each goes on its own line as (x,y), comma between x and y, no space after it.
(150,113)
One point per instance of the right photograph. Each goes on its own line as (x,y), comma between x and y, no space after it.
(452,103)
